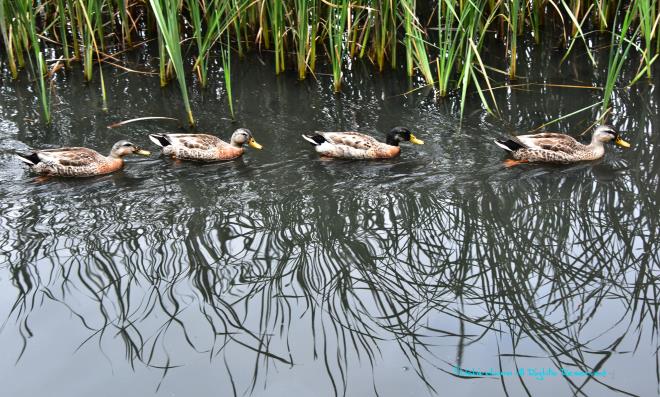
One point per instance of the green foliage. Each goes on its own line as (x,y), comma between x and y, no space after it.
(448,33)
(166,13)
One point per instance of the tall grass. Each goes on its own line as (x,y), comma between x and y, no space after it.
(415,43)
(296,33)
(166,13)
(226,69)
(335,30)
(8,39)
(620,48)
(27,24)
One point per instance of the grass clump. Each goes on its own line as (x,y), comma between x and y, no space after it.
(448,33)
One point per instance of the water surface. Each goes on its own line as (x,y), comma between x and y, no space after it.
(285,274)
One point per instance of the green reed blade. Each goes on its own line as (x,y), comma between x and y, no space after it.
(335,27)
(61,16)
(86,14)
(166,13)
(26,18)
(5,28)
(226,69)
(619,50)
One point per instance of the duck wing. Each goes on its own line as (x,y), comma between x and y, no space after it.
(196,141)
(352,139)
(550,141)
(70,157)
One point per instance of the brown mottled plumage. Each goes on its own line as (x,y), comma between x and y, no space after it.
(79,161)
(551,147)
(354,145)
(203,147)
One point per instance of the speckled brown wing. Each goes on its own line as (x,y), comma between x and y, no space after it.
(197,141)
(550,141)
(352,139)
(200,147)
(71,157)
(354,145)
(543,155)
(74,161)
(550,147)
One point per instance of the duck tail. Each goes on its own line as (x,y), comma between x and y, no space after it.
(509,145)
(29,159)
(314,138)
(160,139)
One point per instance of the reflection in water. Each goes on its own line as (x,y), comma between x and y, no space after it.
(361,269)
(283,265)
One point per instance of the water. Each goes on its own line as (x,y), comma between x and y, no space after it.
(284,274)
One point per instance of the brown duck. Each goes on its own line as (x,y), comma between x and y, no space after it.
(79,161)
(354,145)
(551,147)
(203,147)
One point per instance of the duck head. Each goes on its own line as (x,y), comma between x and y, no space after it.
(607,133)
(124,148)
(401,134)
(243,136)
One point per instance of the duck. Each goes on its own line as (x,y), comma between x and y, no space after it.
(549,147)
(354,145)
(79,161)
(204,147)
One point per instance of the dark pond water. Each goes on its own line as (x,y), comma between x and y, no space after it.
(284,274)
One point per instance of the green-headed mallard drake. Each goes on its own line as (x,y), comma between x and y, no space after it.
(353,145)
(79,161)
(203,147)
(551,147)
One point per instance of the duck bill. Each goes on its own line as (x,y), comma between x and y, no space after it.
(254,144)
(415,140)
(143,152)
(621,142)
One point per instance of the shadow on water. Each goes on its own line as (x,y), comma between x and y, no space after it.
(345,275)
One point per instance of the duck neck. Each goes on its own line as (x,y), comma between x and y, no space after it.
(596,146)
(596,143)
(115,156)
(391,140)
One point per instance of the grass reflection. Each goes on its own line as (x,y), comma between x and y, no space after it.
(534,265)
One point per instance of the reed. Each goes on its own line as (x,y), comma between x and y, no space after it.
(93,10)
(335,28)
(276,19)
(302,35)
(27,24)
(166,13)
(226,70)
(196,20)
(452,35)
(619,50)
(415,43)
(384,25)
(7,40)
(61,16)
(649,17)
(514,14)
(298,32)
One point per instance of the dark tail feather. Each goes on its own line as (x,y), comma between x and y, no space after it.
(509,145)
(314,138)
(160,139)
(29,159)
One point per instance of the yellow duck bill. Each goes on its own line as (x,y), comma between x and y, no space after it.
(416,140)
(621,142)
(254,144)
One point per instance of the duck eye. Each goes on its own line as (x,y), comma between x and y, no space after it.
(127,144)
